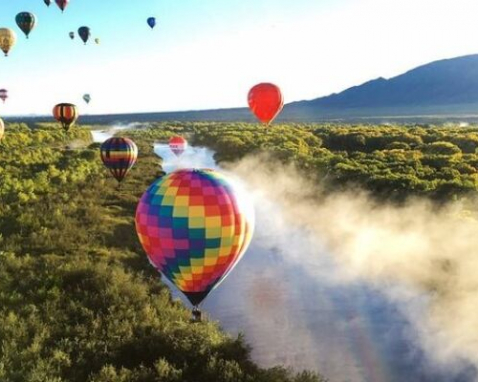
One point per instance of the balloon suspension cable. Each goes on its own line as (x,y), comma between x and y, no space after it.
(196,314)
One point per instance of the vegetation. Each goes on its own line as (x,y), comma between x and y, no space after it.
(78,299)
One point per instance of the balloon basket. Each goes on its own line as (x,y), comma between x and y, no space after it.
(196,315)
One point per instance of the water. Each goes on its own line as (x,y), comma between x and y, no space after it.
(348,332)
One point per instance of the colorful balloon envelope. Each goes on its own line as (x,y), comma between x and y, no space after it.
(72,35)
(3,94)
(2,129)
(87,98)
(47,2)
(66,114)
(84,33)
(151,22)
(178,145)
(26,21)
(265,101)
(119,156)
(62,4)
(8,38)
(195,226)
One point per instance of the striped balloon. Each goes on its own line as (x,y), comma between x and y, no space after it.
(3,94)
(26,21)
(2,129)
(66,114)
(194,226)
(119,155)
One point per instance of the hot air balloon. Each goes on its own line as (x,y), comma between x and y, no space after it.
(66,114)
(47,2)
(8,38)
(26,22)
(151,22)
(62,4)
(178,145)
(265,101)
(72,35)
(119,156)
(84,33)
(97,41)
(87,98)
(195,226)
(2,129)
(3,94)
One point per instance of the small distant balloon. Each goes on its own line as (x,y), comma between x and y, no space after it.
(119,156)
(84,33)
(178,145)
(151,22)
(3,94)
(8,38)
(87,98)
(47,2)
(97,41)
(66,114)
(265,101)
(62,4)
(2,129)
(72,35)
(26,21)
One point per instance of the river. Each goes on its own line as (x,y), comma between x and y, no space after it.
(348,332)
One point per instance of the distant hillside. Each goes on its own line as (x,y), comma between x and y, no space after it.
(441,87)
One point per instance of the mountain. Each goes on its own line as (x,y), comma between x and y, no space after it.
(445,87)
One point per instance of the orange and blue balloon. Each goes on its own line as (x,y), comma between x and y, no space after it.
(66,114)
(119,156)
(195,226)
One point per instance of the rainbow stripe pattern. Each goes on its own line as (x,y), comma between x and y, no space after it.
(119,156)
(194,227)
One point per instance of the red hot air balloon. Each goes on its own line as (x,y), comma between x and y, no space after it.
(62,4)
(3,94)
(178,145)
(265,101)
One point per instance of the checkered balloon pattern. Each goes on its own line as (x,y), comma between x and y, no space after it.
(119,155)
(194,226)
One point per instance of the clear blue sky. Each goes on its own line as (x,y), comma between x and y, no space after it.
(208,53)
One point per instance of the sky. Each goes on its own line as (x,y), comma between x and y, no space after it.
(206,54)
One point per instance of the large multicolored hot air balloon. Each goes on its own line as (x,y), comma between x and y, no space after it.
(66,114)
(72,35)
(84,33)
(2,129)
(151,22)
(178,145)
(194,226)
(3,94)
(62,4)
(47,2)
(26,21)
(119,156)
(265,101)
(8,38)
(87,98)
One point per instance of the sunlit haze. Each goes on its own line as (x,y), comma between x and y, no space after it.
(207,54)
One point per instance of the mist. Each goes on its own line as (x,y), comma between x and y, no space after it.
(421,258)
